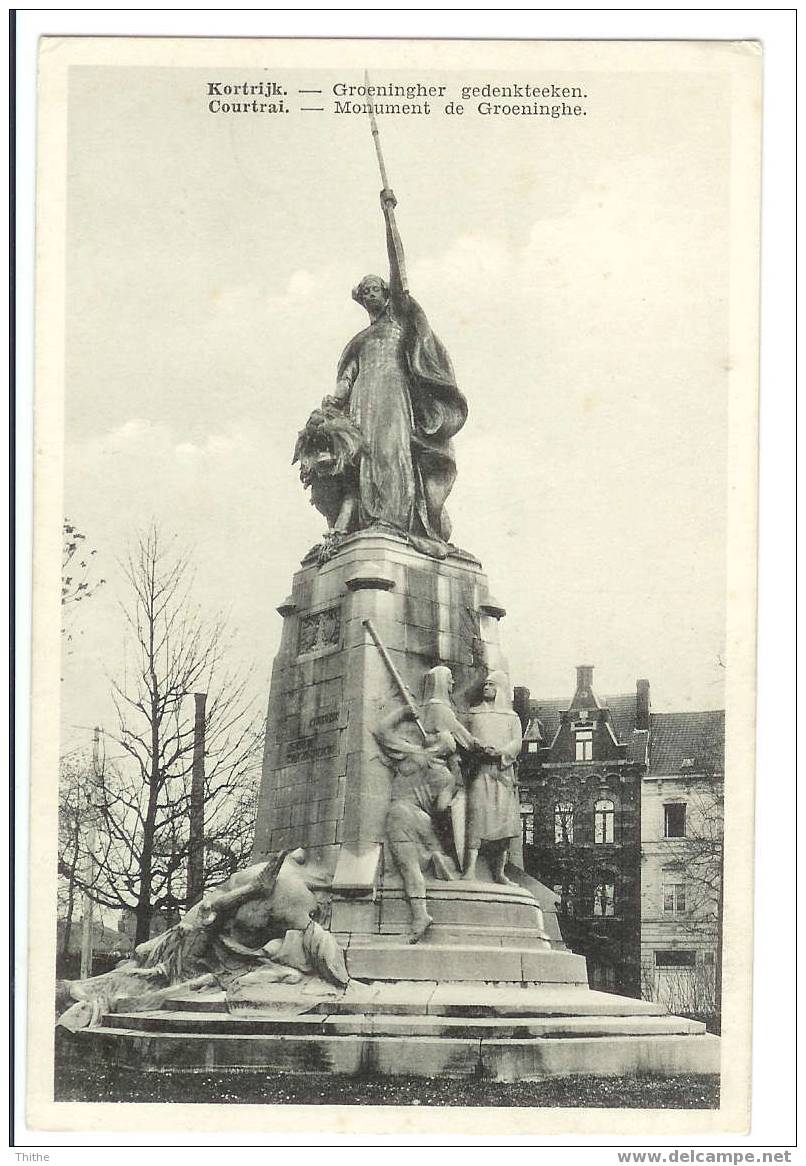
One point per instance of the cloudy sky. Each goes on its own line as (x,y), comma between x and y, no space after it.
(577,271)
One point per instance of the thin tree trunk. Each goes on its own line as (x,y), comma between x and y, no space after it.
(68,922)
(143,909)
(143,931)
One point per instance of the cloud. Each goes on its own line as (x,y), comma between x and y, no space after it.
(215,448)
(123,437)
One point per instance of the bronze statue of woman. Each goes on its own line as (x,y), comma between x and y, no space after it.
(396,383)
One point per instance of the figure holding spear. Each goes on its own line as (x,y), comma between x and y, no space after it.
(396,386)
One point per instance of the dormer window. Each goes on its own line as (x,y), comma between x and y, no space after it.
(584,744)
(532,747)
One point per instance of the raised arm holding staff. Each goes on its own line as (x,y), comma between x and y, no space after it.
(396,387)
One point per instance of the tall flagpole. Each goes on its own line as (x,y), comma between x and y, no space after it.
(388,207)
(376,137)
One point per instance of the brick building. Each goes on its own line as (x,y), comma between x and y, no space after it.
(622,816)
(580,777)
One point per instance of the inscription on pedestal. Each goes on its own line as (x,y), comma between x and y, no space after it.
(324,718)
(308,749)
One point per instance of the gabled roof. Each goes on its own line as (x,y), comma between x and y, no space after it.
(622,712)
(548,713)
(683,743)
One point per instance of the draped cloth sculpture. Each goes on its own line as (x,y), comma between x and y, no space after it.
(493,812)
(397,389)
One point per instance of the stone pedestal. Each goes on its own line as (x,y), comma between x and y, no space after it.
(325,784)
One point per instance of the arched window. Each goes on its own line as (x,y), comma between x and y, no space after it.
(604,817)
(563,823)
(604,897)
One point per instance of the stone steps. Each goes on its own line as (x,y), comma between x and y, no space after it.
(379,1024)
(495,1058)
(440,999)
(455,934)
(537,1000)
(501,1031)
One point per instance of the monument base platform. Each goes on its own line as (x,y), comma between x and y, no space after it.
(451,956)
(494,1031)
(482,931)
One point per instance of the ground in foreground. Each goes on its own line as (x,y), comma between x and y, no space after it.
(646,1092)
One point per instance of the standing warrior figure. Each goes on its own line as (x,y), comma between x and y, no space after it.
(493,813)
(423,787)
(396,383)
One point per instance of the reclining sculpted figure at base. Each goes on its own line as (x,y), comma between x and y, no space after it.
(260,918)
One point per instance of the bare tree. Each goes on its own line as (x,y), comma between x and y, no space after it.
(80,579)
(143,802)
(700,855)
(73,820)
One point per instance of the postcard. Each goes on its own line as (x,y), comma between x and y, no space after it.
(394,585)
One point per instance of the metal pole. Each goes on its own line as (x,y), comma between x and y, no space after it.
(196,846)
(398,679)
(89,865)
(373,125)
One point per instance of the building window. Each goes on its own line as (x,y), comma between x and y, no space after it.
(563,823)
(675,959)
(604,816)
(566,897)
(674,895)
(528,823)
(604,899)
(584,745)
(532,747)
(674,820)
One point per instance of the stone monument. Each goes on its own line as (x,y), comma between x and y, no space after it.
(386,612)
(386,923)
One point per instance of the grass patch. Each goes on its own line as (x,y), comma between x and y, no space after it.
(102,1084)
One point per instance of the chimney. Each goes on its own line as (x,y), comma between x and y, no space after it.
(520,703)
(584,697)
(642,704)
